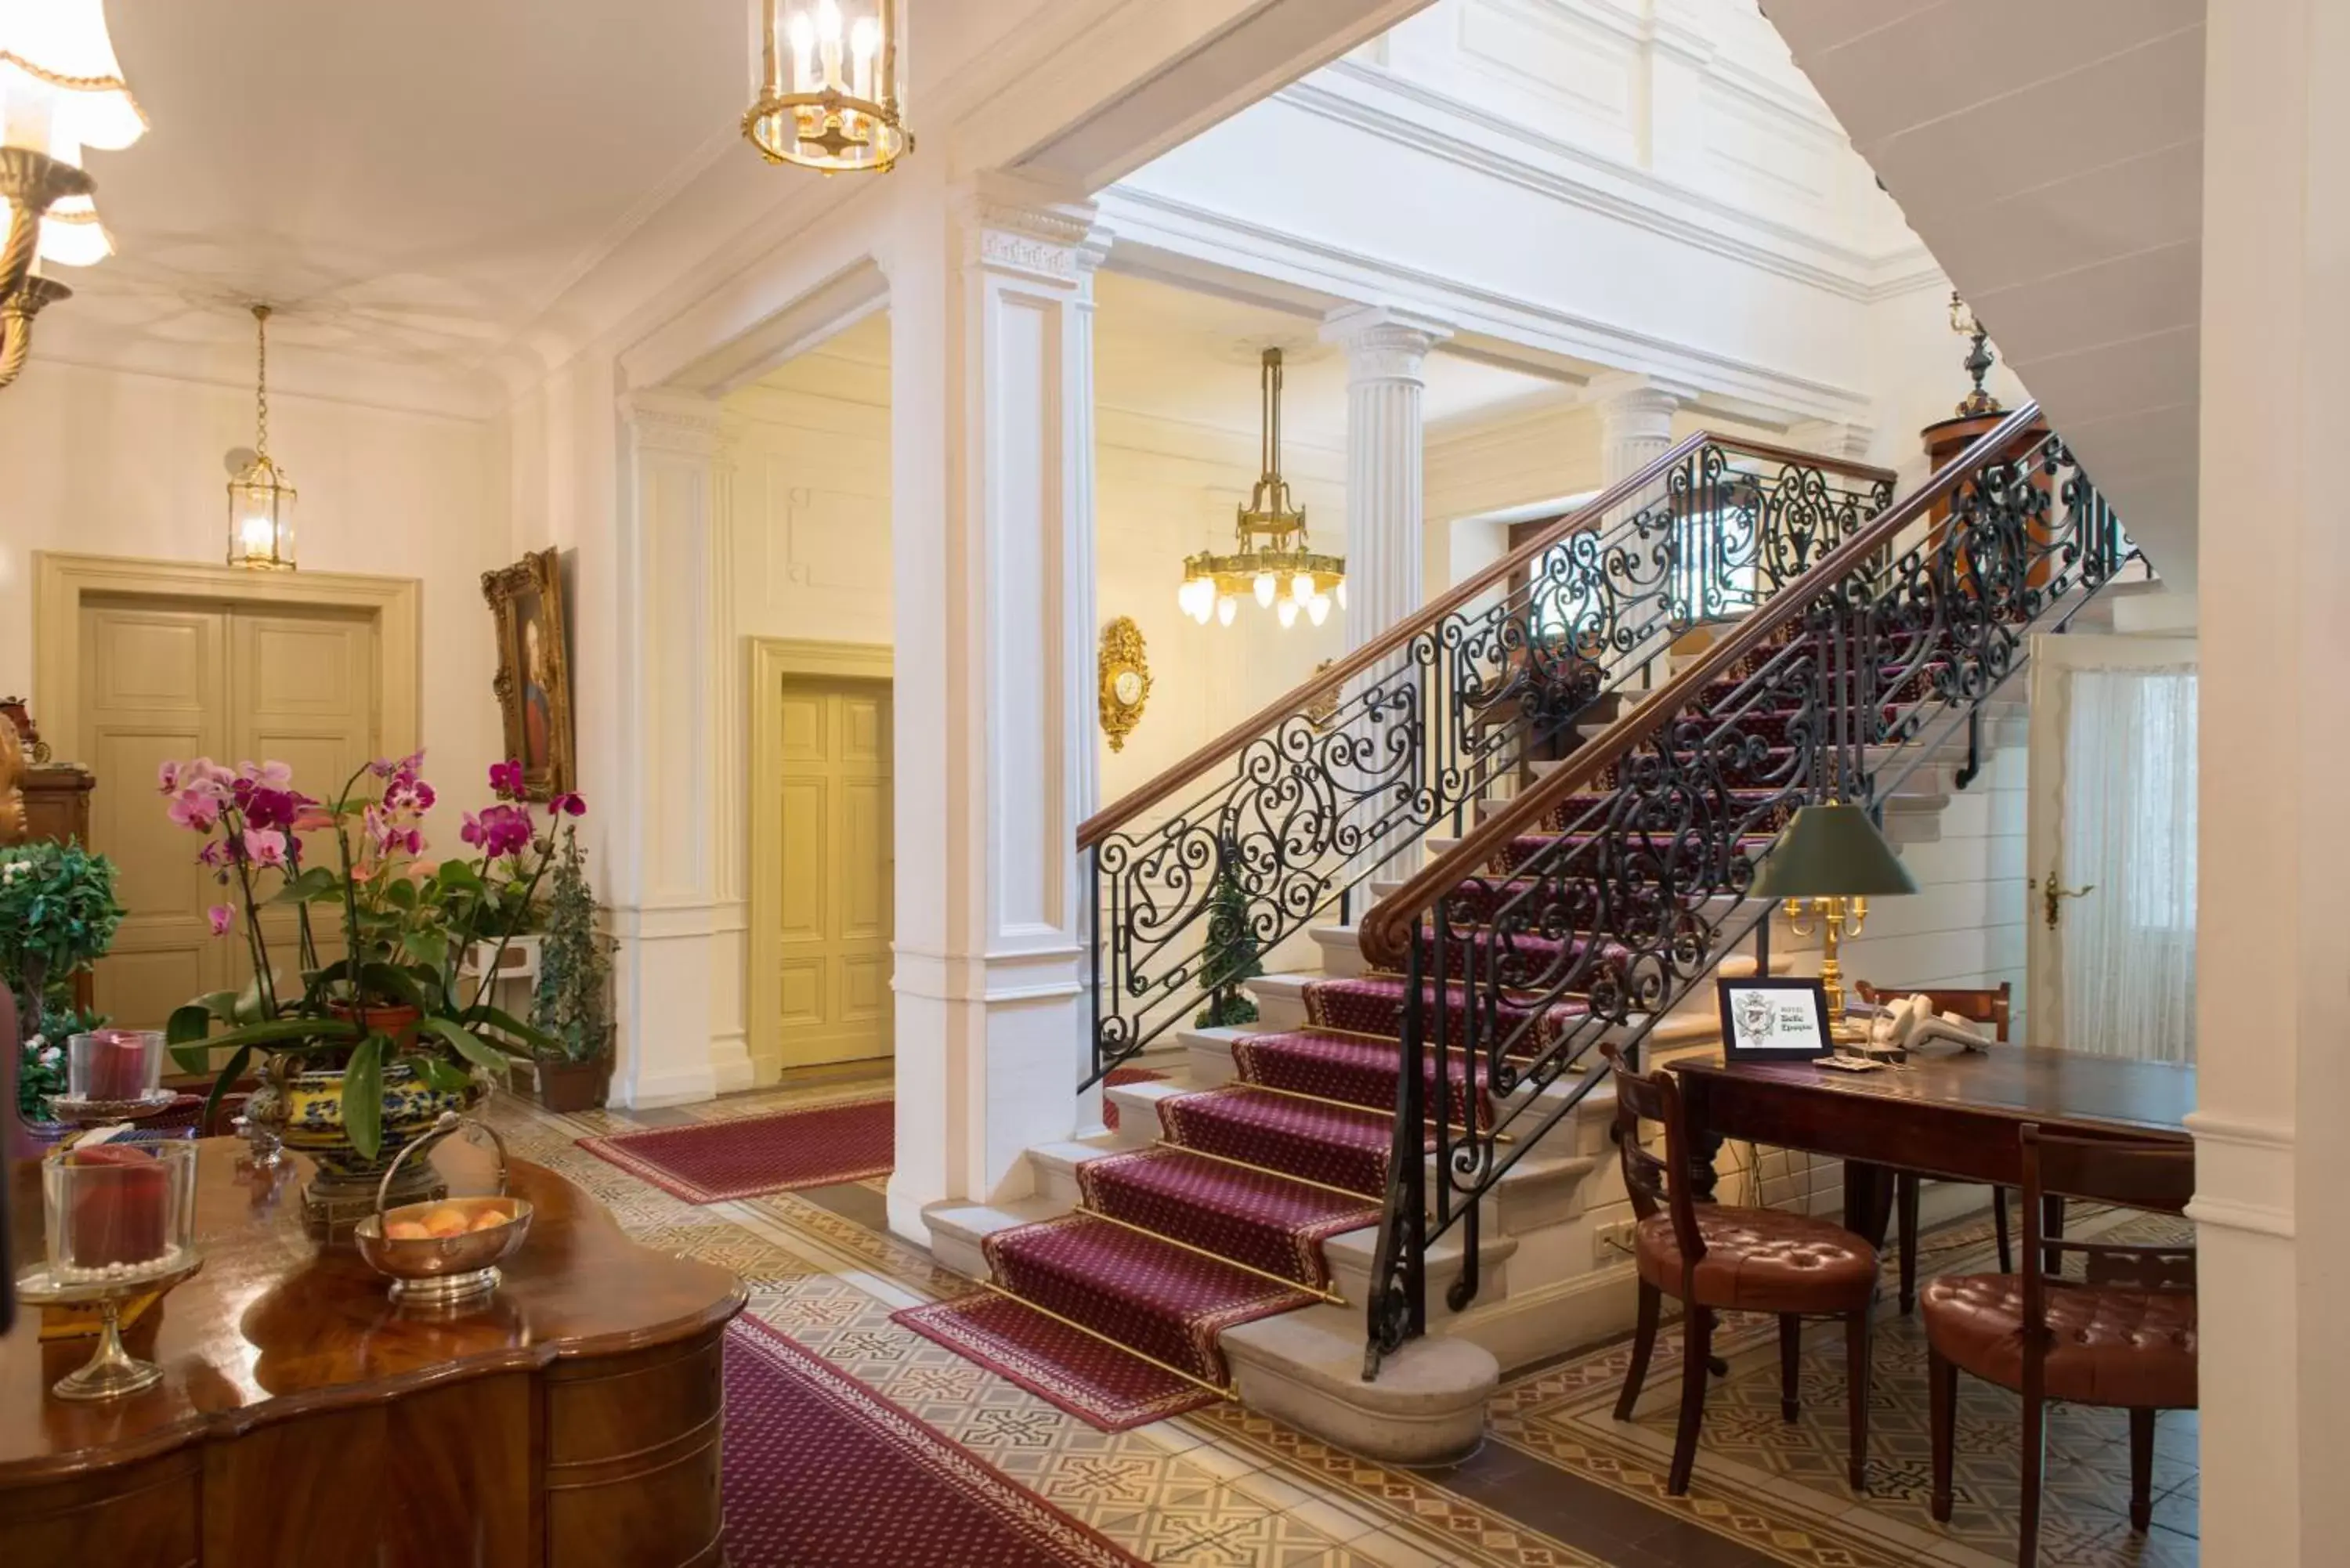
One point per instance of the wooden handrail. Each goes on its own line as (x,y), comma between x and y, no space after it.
(1099,826)
(1384,931)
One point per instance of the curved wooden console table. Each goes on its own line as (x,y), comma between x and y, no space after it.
(303,1419)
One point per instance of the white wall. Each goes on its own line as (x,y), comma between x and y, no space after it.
(113,462)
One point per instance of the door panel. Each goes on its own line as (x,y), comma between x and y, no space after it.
(823,965)
(154,683)
(163,681)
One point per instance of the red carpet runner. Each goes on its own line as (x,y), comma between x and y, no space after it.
(822,1472)
(711,1162)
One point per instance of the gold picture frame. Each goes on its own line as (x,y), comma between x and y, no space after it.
(534,679)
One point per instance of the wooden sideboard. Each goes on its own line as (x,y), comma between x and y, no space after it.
(303,1419)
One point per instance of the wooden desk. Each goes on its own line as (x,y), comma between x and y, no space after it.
(1953,1116)
(303,1419)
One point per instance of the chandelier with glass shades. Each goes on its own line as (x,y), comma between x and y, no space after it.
(61,92)
(1274,563)
(828,93)
(261,496)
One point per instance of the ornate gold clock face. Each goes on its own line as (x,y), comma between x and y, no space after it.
(1125,680)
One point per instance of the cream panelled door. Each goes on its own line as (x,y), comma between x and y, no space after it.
(154,687)
(821,968)
(161,681)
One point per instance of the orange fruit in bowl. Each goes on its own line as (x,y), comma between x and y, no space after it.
(405,1230)
(491,1218)
(446,1222)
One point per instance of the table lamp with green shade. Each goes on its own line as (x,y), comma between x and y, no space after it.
(1833,859)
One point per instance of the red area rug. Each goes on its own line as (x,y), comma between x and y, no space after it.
(1099,1384)
(822,1472)
(711,1162)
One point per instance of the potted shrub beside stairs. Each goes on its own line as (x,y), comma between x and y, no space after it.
(569,1008)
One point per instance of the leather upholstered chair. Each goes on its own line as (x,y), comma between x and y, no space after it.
(1715,1258)
(1996,1008)
(2127,1339)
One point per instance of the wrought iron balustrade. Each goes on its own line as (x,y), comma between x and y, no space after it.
(1600,897)
(1275,825)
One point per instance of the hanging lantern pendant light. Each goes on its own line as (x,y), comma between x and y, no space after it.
(828,95)
(261,497)
(1274,563)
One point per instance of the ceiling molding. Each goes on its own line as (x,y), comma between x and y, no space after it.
(1406,114)
(1161,237)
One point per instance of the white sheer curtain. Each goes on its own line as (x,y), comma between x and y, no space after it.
(2129,832)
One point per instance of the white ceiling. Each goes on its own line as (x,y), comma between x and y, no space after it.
(413,185)
(2051,157)
(1178,354)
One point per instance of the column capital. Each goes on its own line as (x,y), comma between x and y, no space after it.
(1382,342)
(1620,395)
(1013,224)
(681,423)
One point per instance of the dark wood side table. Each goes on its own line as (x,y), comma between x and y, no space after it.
(303,1419)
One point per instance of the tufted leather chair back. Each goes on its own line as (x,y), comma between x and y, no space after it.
(2158,1178)
(1655,1185)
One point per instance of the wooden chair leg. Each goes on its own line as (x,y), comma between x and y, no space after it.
(2141,1470)
(1790,1356)
(1943,1391)
(1999,1223)
(1697,1339)
(1644,1344)
(1909,1184)
(2036,1459)
(1855,1342)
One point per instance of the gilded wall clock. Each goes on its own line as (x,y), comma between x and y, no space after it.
(1125,680)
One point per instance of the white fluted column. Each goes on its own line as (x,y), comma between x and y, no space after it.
(991,437)
(1636,423)
(1386,439)
(663,881)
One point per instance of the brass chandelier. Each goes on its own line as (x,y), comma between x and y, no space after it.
(829,95)
(61,90)
(261,496)
(1274,563)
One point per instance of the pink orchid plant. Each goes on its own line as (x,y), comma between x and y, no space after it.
(395,995)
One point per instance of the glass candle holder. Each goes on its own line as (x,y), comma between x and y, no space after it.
(120,1211)
(115,1065)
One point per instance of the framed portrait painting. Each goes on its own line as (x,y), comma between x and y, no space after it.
(534,681)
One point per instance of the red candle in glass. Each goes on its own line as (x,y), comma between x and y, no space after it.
(118,1065)
(121,1206)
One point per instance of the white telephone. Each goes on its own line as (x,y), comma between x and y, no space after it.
(1910,1024)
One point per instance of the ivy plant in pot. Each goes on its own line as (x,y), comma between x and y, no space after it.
(575,967)
(358,1054)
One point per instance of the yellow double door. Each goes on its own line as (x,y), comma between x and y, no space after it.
(163,681)
(822,927)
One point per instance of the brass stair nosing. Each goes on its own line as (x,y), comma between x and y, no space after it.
(1195,1381)
(1332,1297)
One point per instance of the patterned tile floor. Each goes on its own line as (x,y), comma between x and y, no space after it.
(1560,1486)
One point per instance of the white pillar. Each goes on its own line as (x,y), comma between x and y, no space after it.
(2272,944)
(990,457)
(665,886)
(1386,439)
(1636,423)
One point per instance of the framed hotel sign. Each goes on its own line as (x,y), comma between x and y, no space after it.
(1770,1018)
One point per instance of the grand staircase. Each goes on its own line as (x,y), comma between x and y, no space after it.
(1515,827)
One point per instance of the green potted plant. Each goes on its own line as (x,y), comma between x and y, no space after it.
(358,1057)
(58,917)
(570,1007)
(1232,953)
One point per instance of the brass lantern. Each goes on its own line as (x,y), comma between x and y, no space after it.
(828,95)
(261,497)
